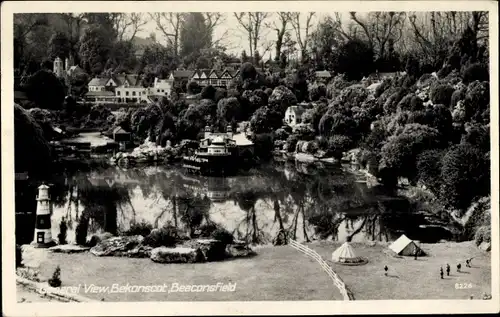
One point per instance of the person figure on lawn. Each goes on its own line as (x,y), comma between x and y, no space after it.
(441,272)
(416,254)
(448,269)
(386,269)
(459,266)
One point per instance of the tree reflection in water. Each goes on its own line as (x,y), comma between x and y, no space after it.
(304,200)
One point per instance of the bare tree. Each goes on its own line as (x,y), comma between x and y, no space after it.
(132,22)
(380,28)
(252,23)
(302,40)
(212,21)
(280,26)
(170,25)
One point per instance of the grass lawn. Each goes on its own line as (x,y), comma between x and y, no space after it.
(414,279)
(276,273)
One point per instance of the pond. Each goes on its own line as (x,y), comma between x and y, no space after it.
(309,201)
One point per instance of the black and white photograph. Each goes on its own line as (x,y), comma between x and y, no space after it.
(193,153)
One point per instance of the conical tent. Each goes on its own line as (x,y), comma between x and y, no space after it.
(405,246)
(345,253)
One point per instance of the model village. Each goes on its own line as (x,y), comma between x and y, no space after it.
(297,172)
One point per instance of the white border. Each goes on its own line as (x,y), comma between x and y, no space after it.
(11,308)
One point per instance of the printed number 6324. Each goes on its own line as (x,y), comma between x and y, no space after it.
(463,285)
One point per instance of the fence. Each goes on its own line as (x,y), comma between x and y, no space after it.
(337,281)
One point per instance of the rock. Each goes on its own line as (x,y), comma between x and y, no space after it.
(141,251)
(68,248)
(117,246)
(176,255)
(213,250)
(239,250)
(97,238)
(485,246)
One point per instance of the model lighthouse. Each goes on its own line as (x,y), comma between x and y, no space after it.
(43,234)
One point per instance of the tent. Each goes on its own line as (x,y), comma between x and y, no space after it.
(405,246)
(345,254)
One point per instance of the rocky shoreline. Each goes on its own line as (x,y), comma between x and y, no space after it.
(188,251)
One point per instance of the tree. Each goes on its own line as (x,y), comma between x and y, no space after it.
(247,72)
(45,90)
(429,169)
(228,111)
(252,23)
(354,59)
(59,46)
(194,34)
(298,27)
(280,26)
(381,29)
(244,57)
(465,175)
(323,41)
(95,47)
(130,23)
(265,120)
(400,152)
(170,25)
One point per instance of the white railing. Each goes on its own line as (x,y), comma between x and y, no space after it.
(337,281)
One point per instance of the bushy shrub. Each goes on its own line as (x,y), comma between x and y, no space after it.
(193,88)
(81,231)
(207,229)
(220,93)
(441,94)
(457,95)
(63,229)
(167,236)
(399,153)
(483,234)
(429,169)
(269,92)
(334,122)
(55,280)
(317,91)
(266,120)
(384,85)
(354,59)
(465,174)
(247,71)
(222,235)
(304,132)
(391,104)
(208,92)
(338,144)
(142,228)
(477,99)
(281,134)
(281,99)
(338,83)
(353,95)
(291,142)
(426,80)
(410,102)
(476,71)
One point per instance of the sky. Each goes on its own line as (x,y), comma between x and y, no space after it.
(236,40)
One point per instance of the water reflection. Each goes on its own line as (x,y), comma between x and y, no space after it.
(308,201)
